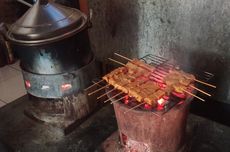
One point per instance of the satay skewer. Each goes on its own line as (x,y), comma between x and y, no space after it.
(106,93)
(116,61)
(134,107)
(130,61)
(117,100)
(98,89)
(194,95)
(205,83)
(95,83)
(98,84)
(123,57)
(161,79)
(113,97)
(200,90)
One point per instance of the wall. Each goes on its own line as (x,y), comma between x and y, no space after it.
(193,32)
(10,10)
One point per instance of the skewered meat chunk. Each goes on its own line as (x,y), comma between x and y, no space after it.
(134,92)
(150,85)
(178,81)
(179,88)
(142,95)
(159,93)
(185,81)
(112,73)
(175,73)
(132,67)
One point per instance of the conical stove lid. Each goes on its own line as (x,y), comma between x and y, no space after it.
(46,21)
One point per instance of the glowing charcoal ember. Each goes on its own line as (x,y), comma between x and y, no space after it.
(27,83)
(166,97)
(126,100)
(161,102)
(159,107)
(66,86)
(162,85)
(181,102)
(147,106)
(179,95)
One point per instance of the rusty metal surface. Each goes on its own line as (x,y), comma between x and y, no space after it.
(148,132)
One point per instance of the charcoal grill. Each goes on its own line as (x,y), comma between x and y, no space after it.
(160,129)
(164,104)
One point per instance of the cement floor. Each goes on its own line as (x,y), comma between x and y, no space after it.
(20,133)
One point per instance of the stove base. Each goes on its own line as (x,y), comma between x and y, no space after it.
(113,144)
(66,113)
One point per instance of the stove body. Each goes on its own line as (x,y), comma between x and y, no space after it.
(57,63)
(144,128)
(143,131)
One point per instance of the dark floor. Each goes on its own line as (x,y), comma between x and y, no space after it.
(19,133)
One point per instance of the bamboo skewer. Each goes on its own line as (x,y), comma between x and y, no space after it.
(117,100)
(201,91)
(134,107)
(126,59)
(97,84)
(116,61)
(98,90)
(113,97)
(94,84)
(123,57)
(210,85)
(209,73)
(106,93)
(194,95)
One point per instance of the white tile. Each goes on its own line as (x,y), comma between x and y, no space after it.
(2,103)
(16,65)
(7,72)
(12,89)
